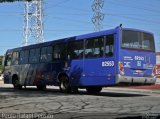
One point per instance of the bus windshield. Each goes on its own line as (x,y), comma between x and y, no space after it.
(137,40)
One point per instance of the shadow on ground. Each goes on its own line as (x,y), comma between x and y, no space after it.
(33,92)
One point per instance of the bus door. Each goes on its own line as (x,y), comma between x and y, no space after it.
(7,68)
(99,62)
(59,59)
(75,55)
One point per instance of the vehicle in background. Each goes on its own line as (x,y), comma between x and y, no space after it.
(157,70)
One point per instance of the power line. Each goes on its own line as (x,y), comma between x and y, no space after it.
(11,14)
(57,4)
(74,8)
(134,6)
(133,18)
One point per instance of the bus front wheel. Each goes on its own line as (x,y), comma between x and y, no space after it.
(94,90)
(64,84)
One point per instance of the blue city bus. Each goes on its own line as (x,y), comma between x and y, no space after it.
(120,56)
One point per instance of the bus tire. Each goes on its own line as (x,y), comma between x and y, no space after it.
(93,90)
(64,84)
(16,84)
(74,90)
(41,87)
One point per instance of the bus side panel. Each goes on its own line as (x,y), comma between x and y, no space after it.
(99,72)
(95,71)
(46,73)
(76,72)
(23,73)
(31,74)
(92,72)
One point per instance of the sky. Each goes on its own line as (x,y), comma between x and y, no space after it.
(65,18)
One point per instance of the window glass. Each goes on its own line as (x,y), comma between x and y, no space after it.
(109,45)
(15,58)
(137,40)
(8,60)
(131,39)
(94,47)
(148,42)
(46,54)
(43,57)
(59,52)
(49,53)
(75,50)
(34,55)
(24,57)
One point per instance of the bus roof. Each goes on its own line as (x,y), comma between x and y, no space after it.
(84,36)
(96,34)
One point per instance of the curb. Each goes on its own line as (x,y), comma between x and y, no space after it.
(132,90)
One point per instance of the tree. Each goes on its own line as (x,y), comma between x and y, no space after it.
(1,63)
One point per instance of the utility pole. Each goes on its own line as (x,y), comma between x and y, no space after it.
(98,15)
(33,22)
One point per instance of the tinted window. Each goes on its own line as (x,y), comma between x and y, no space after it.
(24,57)
(109,45)
(75,50)
(34,55)
(15,58)
(8,60)
(59,52)
(46,54)
(148,42)
(137,40)
(94,47)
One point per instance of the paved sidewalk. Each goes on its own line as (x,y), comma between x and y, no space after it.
(143,89)
(152,87)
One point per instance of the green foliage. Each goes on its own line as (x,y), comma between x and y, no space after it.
(1,60)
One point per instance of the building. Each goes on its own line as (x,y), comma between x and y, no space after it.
(158,67)
(158,58)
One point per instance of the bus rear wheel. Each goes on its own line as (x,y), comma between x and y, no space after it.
(16,84)
(93,90)
(64,84)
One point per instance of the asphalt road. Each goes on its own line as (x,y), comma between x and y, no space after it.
(31,103)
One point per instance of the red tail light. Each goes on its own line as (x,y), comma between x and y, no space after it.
(121,68)
(154,71)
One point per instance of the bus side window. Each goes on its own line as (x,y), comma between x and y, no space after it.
(98,47)
(43,57)
(34,55)
(75,50)
(88,48)
(23,58)
(46,54)
(15,58)
(49,53)
(8,60)
(109,45)
(94,47)
(59,52)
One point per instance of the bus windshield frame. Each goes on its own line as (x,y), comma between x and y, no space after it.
(137,40)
